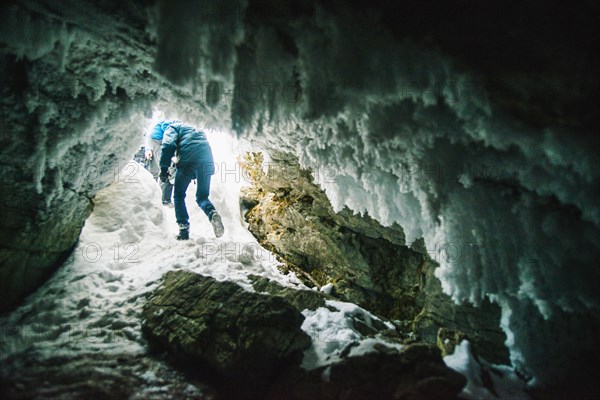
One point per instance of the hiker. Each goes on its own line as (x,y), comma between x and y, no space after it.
(194,161)
(152,144)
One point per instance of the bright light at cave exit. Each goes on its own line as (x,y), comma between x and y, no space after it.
(225,148)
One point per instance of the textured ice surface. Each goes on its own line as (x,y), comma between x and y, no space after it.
(397,130)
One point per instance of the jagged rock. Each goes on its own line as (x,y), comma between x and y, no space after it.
(97,375)
(415,372)
(300,299)
(223,329)
(294,218)
(311,300)
(480,325)
(369,264)
(448,339)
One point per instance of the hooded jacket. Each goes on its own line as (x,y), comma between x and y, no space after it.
(194,149)
(157,133)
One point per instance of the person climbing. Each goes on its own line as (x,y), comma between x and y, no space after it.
(152,144)
(195,160)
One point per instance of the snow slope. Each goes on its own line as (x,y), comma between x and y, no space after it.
(92,304)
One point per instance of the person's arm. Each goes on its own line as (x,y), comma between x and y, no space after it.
(169,145)
(147,146)
(155,132)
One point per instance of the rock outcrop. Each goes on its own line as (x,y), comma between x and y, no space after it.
(98,375)
(299,299)
(414,372)
(367,263)
(292,216)
(223,330)
(444,322)
(249,345)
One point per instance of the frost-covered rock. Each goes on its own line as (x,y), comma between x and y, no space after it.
(441,318)
(486,381)
(414,372)
(221,328)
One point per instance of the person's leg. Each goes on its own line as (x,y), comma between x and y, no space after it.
(183,176)
(203,190)
(203,176)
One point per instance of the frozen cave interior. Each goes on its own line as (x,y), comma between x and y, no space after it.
(463,135)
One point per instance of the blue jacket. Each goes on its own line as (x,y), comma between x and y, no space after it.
(194,150)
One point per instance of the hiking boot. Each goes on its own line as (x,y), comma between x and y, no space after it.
(217,224)
(168,204)
(184,232)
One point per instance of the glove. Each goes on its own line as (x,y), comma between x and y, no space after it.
(164,174)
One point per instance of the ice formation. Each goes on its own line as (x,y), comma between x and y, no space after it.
(401,130)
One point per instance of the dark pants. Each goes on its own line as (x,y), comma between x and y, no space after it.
(183,177)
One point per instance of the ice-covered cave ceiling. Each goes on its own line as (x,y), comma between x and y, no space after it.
(471,124)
